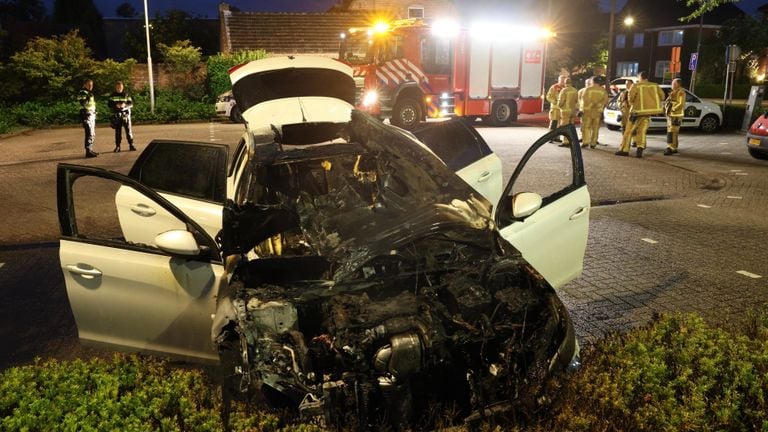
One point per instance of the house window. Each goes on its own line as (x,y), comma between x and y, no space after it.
(662,68)
(627,68)
(621,41)
(415,12)
(670,37)
(638,39)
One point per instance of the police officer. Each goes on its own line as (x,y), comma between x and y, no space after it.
(554,109)
(593,101)
(120,103)
(567,101)
(88,116)
(645,99)
(673,108)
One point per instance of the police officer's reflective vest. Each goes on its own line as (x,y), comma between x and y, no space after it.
(645,98)
(86,99)
(115,98)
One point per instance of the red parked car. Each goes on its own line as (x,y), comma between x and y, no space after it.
(757,137)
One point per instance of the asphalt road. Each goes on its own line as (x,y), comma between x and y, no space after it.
(678,233)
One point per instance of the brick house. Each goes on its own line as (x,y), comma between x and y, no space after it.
(315,33)
(657,34)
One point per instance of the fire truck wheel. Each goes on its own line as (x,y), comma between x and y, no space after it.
(502,113)
(406,113)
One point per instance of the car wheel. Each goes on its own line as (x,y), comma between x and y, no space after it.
(692,111)
(406,114)
(757,154)
(709,124)
(503,113)
(235,115)
(613,127)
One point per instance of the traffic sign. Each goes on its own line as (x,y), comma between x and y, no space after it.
(694,61)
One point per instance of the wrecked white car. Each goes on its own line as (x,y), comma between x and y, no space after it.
(355,274)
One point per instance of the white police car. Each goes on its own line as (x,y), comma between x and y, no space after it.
(706,116)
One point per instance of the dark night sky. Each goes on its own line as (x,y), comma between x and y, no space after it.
(209,8)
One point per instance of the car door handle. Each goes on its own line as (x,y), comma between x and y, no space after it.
(143,210)
(87,273)
(578,213)
(484,177)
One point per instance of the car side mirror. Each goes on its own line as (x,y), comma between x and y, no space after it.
(178,242)
(525,204)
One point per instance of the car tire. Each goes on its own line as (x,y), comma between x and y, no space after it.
(757,154)
(613,127)
(406,113)
(235,115)
(709,124)
(503,113)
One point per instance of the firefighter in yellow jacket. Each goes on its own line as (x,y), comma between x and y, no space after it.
(593,101)
(624,103)
(645,100)
(673,109)
(567,101)
(552,95)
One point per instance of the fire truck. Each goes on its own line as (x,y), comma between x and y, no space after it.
(410,69)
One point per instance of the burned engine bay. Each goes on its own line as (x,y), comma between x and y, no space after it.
(380,288)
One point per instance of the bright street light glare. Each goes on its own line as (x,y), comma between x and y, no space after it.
(628,21)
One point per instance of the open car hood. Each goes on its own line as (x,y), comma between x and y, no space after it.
(287,90)
(357,199)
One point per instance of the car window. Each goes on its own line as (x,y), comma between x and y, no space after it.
(454,142)
(689,98)
(195,170)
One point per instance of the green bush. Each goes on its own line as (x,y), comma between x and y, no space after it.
(128,393)
(677,374)
(170,106)
(219,65)
(715,91)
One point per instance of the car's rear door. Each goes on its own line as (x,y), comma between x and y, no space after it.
(130,295)
(465,152)
(191,175)
(553,238)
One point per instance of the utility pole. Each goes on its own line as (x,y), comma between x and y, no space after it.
(692,85)
(149,62)
(608,68)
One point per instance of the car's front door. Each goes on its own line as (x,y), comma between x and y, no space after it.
(155,296)
(544,211)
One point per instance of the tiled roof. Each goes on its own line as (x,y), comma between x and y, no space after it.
(286,33)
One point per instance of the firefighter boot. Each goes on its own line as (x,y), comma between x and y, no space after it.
(116,149)
(639,152)
(131,147)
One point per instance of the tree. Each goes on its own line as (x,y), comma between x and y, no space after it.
(126,10)
(50,69)
(82,15)
(22,10)
(703,6)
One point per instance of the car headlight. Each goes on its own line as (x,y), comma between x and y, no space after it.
(370,98)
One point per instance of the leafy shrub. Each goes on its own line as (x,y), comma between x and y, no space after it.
(126,393)
(219,65)
(676,374)
(170,106)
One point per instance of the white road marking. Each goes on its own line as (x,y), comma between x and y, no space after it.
(724,143)
(733,197)
(726,153)
(703,206)
(215,139)
(741,173)
(647,240)
(1,265)
(734,171)
(748,274)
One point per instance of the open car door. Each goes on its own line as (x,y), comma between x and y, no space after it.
(465,152)
(544,210)
(156,296)
(191,175)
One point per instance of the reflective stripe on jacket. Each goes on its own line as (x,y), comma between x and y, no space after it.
(595,98)
(568,99)
(645,98)
(86,99)
(676,101)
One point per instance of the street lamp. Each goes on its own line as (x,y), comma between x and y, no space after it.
(149,62)
(628,21)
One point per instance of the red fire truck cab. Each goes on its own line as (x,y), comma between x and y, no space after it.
(411,70)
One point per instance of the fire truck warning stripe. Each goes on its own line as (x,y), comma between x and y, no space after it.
(393,69)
